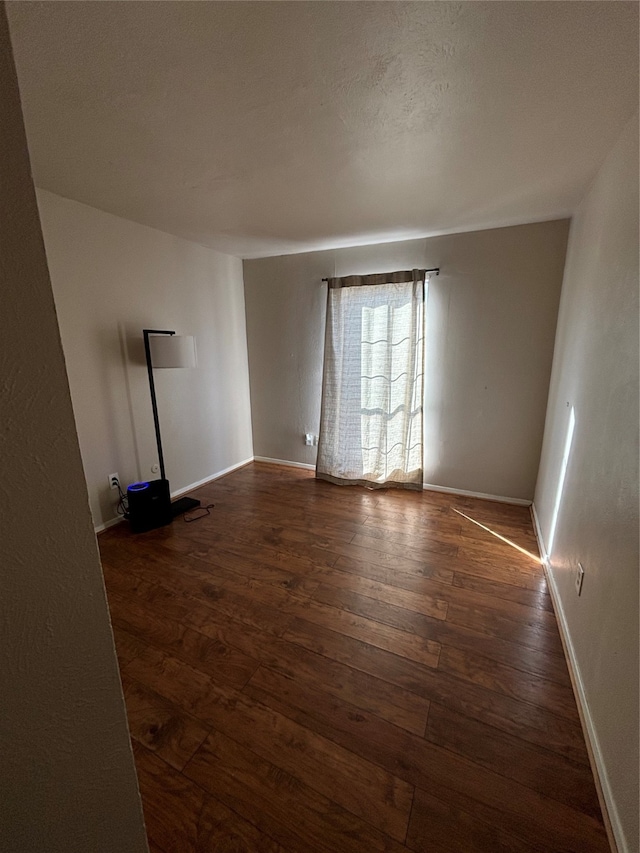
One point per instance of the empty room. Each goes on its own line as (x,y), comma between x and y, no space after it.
(320,393)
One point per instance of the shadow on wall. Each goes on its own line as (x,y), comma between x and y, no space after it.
(111,363)
(436,313)
(132,351)
(121,348)
(132,345)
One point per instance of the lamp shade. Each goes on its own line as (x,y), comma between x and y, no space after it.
(173,350)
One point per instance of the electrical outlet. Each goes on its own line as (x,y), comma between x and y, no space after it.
(579,577)
(310,439)
(114,481)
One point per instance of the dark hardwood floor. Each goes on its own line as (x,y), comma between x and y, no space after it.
(318,669)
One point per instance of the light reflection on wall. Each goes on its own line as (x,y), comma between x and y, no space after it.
(561,478)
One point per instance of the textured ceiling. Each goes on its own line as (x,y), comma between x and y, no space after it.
(272,127)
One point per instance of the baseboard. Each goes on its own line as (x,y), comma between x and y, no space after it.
(538,531)
(610,816)
(98,528)
(499,498)
(211,478)
(271,461)
(427,486)
(178,492)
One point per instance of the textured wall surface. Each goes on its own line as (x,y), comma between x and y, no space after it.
(491,319)
(112,278)
(595,372)
(68,783)
(272,128)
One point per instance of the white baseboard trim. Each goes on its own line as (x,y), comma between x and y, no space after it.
(426,486)
(538,531)
(211,478)
(499,498)
(610,815)
(178,492)
(271,461)
(98,528)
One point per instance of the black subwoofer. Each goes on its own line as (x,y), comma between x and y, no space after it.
(149,505)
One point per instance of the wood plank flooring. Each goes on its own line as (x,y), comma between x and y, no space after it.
(320,669)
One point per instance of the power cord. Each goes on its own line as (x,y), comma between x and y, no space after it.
(122,507)
(203,510)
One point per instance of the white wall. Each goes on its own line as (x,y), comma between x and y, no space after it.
(112,278)
(68,782)
(491,321)
(595,372)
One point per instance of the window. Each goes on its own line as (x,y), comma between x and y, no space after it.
(371,423)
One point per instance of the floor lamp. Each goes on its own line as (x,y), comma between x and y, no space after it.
(163,349)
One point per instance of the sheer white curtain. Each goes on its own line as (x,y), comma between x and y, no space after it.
(371,422)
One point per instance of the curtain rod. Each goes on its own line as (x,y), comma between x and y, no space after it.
(436,270)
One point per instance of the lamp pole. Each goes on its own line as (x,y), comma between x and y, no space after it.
(152,388)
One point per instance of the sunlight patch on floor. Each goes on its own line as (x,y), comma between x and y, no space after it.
(498,536)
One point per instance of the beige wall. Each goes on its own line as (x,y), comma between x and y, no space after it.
(490,330)
(112,278)
(595,372)
(68,783)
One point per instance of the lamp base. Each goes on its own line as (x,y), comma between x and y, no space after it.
(183,505)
